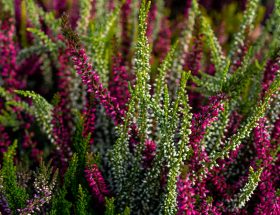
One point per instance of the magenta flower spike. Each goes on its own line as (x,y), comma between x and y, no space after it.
(91,79)
(96,183)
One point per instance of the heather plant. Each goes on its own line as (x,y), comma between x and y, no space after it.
(122,107)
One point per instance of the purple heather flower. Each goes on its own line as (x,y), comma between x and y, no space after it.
(193,64)
(163,40)
(234,123)
(262,143)
(33,205)
(42,196)
(271,69)
(111,5)
(208,208)
(91,79)
(4,140)
(219,182)
(4,206)
(59,6)
(200,122)
(125,13)
(8,53)
(118,85)
(61,135)
(269,201)
(89,124)
(188,5)
(64,85)
(149,153)
(276,131)
(186,197)
(240,56)
(133,137)
(96,183)
(28,141)
(193,58)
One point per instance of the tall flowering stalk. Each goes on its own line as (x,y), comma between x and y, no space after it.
(269,201)
(89,76)
(91,79)
(186,196)
(90,120)
(61,135)
(96,183)
(118,85)
(8,51)
(200,122)
(272,67)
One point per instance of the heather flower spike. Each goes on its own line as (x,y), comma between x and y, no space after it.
(96,183)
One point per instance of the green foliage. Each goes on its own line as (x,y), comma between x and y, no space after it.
(217,55)
(139,96)
(80,144)
(5,94)
(70,180)
(8,116)
(239,77)
(33,11)
(42,111)
(29,51)
(110,206)
(176,158)
(159,16)
(8,6)
(246,25)
(246,192)
(81,207)
(142,68)
(43,38)
(126,211)
(9,119)
(184,40)
(15,194)
(164,67)
(60,204)
(99,40)
(215,134)
(85,8)
(244,131)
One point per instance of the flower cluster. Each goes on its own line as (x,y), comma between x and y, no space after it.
(91,79)
(200,122)
(96,183)
(186,196)
(118,85)
(149,153)
(8,55)
(5,210)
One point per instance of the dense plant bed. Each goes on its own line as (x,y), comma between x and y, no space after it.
(136,107)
